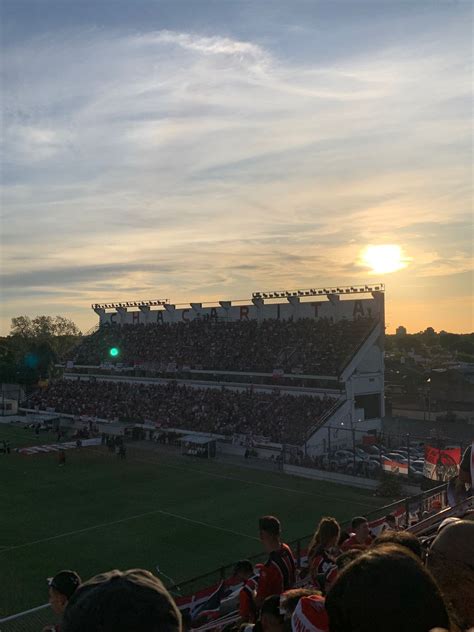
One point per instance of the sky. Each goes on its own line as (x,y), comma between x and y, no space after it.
(202,150)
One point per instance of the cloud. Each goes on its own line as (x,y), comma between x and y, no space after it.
(189,162)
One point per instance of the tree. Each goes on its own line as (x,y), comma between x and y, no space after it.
(65,327)
(43,327)
(22,326)
(34,346)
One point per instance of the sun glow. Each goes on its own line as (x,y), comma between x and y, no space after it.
(383,259)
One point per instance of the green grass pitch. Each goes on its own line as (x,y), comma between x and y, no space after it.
(186,515)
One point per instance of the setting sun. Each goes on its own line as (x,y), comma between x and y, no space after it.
(384,259)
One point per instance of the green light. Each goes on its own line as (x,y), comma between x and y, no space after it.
(114,352)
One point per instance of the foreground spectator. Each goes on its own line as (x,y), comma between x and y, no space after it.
(451,562)
(360,537)
(279,572)
(457,488)
(391,522)
(385,589)
(129,601)
(346,558)
(321,558)
(402,538)
(244,572)
(271,618)
(305,609)
(466,467)
(61,588)
(310,615)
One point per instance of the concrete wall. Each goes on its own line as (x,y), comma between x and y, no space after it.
(331,477)
(8,407)
(239,450)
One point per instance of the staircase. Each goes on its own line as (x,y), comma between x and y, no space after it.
(336,407)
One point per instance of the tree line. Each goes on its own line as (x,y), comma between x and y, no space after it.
(33,347)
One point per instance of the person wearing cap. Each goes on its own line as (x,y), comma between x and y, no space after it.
(305,609)
(61,588)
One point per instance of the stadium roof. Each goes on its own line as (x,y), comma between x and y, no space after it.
(196,439)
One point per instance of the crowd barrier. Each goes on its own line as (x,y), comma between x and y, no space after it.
(410,512)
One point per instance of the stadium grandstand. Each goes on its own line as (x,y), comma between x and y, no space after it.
(294,367)
(293,376)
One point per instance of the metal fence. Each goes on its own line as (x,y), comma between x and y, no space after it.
(408,510)
(33,620)
(356,441)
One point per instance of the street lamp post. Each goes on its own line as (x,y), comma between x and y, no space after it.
(428,381)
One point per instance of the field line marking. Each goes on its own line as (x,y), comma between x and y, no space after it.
(121,520)
(256,483)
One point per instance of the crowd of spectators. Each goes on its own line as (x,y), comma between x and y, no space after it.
(391,583)
(281,417)
(305,346)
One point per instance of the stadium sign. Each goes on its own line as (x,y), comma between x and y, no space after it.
(262,306)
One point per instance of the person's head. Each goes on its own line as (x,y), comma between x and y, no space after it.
(360,527)
(385,589)
(447,521)
(61,587)
(243,570)
(402,538)
(289,599)
(271,618)
(469,515)
(270,532)
(347,557)
(345,535)
(451,562)
(119,601)
(391,521)
(326,535)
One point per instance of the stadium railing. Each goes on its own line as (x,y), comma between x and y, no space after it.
(324,418)
(407,511)
(33,620)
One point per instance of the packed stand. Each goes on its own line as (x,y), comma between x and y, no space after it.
(280,417)
(351,582)
(306,346)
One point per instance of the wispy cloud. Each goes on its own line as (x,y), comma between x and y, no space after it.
(190,163)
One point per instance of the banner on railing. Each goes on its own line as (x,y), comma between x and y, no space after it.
(441,464)
(57,447)
(395,467)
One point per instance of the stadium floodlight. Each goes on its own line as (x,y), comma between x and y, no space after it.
(155,302)
(353,289)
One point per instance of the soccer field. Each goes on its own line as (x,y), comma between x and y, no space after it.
(186,515)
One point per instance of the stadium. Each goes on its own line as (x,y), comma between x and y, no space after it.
(173,428)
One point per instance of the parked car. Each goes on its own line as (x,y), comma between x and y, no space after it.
(342,456)
(415,474)
(394,456)
(402,453)
(371,449)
